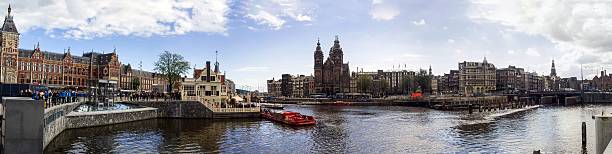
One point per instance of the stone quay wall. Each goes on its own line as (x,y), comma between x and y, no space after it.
(55,121)
(178,109)
(100,118)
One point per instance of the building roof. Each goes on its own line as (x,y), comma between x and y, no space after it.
(85,59)
(9,25)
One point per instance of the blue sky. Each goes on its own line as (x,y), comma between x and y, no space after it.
(261,39)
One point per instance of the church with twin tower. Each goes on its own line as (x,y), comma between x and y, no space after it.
(332,75)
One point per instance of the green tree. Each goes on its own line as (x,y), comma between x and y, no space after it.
(406,85)
(424,83)
(384,87)
(135,83)
(364,83)
(172,66)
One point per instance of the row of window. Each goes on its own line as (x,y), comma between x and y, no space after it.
(51,68)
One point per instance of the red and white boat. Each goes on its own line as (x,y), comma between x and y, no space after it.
(288,117)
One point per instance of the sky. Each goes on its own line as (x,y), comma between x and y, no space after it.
(259,40)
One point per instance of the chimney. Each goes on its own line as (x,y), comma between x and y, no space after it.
(207,71)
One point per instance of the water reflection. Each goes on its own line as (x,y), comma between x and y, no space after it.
(342,129)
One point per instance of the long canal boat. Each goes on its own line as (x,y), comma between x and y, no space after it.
(288,117)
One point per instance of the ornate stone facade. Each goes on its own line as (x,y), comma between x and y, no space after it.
(9,42)
(331,76)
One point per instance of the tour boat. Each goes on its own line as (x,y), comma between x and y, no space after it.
(288,117)
(272,106)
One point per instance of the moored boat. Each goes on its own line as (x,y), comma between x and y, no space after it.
(272,106)
(288,117)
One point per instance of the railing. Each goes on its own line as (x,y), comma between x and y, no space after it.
(51,102)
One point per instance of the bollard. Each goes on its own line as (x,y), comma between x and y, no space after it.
(584,136)
(470,109)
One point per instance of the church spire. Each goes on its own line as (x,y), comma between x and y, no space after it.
(216,62)
(553,70)
(9,25)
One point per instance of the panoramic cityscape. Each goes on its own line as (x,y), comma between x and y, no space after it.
(293,76)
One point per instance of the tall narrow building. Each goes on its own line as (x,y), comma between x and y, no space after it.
(9,40)
(332,75)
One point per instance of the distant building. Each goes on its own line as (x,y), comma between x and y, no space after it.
(477,77)
(302,86)
(231,87)
(602,82)
(286,85)
(449,83)
(291,86)
(332,76)
(392,79)
(570,84)
(274,87)
(551,82)
(510,79)
(534,82)
(434,85)
(149,81)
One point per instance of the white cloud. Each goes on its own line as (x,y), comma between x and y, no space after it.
(578,28)
(253,69)
(533,52)
(89,19)
(511,51)
(383,11)
(419,23)
(450,41)
(265,18)
(277,13)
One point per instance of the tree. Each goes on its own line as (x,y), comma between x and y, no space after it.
(364,83)
(406,85)
(135,83)
(423,83)
(172,66)
(384,86)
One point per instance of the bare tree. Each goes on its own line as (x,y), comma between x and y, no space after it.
(172,66)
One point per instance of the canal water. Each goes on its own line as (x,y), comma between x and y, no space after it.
(343,129)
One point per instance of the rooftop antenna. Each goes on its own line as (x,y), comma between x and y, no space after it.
(216,54)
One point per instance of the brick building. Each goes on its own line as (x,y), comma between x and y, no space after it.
(149,81)
(510,79)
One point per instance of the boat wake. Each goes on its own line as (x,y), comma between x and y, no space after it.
(488,118)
